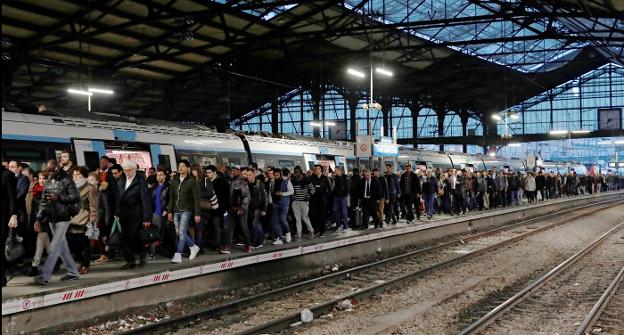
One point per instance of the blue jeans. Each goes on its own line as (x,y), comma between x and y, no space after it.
(514,198)
(59,249)
(257,233)
(341,214)
(181,222)
(280,220)
(429,203)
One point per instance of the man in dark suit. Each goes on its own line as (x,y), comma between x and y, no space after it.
(370,195)
(410,192)
(134,209)
(9,212)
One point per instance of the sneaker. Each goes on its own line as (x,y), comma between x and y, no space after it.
(311,235)
(224,251)
(247,248)
(177,258)
(288,238)
(258,246)
(69,278)
(151,257)
(321,235)
(33,271)
(278,241)
(102,259)
(340,230)
(239,244)
(39,280)
(194,250)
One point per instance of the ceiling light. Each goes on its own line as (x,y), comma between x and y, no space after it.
(356,73)
(100,90)
(492,154)
(582,131)
(558,132)
(514,144)
(384,72)
(330,123)
(315,124)
(81,92)
(515,116)
(619,142)
(402,156)
(496,117)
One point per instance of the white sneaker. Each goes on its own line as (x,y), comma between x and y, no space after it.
(177,258)
(278,241)
(194,250)
(288,238)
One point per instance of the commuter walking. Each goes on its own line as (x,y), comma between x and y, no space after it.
(370,197)
(410,190)
(182,208)
(392,180)
(134,210)
(318,200)
(303,189)
(340,193)
(85,219)
(238,209)
(258,203)
(280,194)
(59,203)
(9,213)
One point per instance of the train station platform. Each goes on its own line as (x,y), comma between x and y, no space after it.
(106,289)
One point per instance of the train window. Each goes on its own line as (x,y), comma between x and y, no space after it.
(142,158)
(92,160)
(286,164)
(165,161)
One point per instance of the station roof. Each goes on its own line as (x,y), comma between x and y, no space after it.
(171,58)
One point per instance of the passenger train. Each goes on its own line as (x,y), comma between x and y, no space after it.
(34,139)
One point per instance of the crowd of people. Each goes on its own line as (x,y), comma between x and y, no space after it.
(76,215)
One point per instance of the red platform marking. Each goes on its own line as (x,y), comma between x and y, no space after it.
(226,265)
(79,294)
(278,254)
(67,296)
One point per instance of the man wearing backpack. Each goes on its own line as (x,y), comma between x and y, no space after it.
(60,201)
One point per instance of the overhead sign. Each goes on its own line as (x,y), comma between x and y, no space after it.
(364,146)
(385,150)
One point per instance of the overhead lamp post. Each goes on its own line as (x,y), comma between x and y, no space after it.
(89,93)
(380,70)
(505,115)
(321,124)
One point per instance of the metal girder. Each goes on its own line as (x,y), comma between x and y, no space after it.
(497,140)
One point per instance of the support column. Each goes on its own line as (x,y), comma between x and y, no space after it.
(415,109)
(316,111)
(441,114)
(464,121)
(386,109)
(275,115)
(485,124)
(352,100)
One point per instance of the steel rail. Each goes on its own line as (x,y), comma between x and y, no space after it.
(524,293)
(595,312)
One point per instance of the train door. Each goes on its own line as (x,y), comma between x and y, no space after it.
(88,152)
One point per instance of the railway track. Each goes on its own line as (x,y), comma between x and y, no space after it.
(607,314)
(556,302)
(281,308)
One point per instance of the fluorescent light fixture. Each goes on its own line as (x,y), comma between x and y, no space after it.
(619,142)
(514,144)
(515,116)
(384,72)
(81,92)
(558,132)
(492,154)
(604,143)
(101,90)
(330,123)
(316,124)
(496,117)
(402,156)
(582,131)
(356,73)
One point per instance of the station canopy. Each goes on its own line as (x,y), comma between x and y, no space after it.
(195,60)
